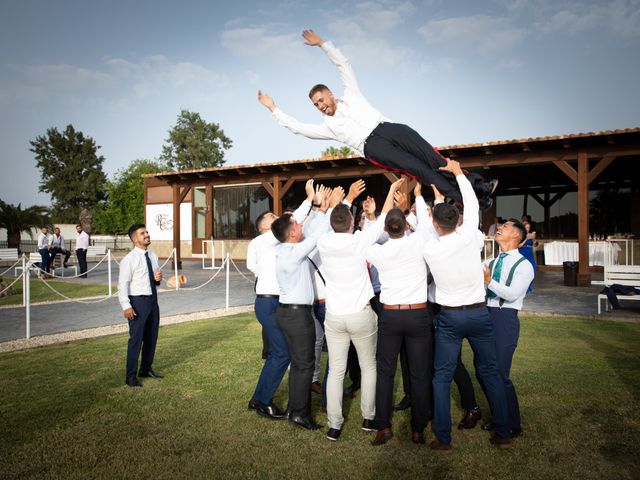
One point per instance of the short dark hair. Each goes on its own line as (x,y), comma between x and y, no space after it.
(519,226)
(260,218)
(341,219)
(281,227)
(79,225)
(446,216)
(317,88)
(133,228)
(395,223)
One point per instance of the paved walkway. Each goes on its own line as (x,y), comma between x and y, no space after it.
(550,296)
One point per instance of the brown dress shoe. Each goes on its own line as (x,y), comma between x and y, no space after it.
(500,442)
(470,418)
(316,388)
(440,447)
(382,437)
(417,437)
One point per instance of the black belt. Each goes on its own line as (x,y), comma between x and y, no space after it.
(294,306)
(465,307)
(140,296)
(261,295)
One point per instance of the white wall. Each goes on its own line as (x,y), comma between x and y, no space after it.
(160,221)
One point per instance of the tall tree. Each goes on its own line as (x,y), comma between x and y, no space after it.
(71,172)
(337,152)
(193,143)
(125,198)
(16,220)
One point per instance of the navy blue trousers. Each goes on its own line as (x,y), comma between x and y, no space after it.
(278,357)
(45,255)
(143,333)
(451,327)
(506,326)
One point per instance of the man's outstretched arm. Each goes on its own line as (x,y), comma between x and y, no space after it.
(309,130)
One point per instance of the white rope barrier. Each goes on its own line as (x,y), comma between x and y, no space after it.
(242,274)
(72,276)
(12,283)
(75,299)
(12,266)
(168,258)
(205,283)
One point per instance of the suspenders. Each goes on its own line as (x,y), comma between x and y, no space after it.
(510,276)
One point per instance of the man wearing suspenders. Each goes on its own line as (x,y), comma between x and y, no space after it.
(507,278)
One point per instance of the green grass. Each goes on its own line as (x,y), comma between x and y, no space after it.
(66,413)
(40,292)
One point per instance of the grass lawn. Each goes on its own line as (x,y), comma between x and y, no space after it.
(41,293)
(66,413)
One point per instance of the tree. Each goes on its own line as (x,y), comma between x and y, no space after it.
(194,143)
(125,198)
(16,220)
(71,172)
(337,152)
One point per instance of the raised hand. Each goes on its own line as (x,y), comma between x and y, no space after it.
(400,200)
(312,39)
(319,194)
(439,197)
(452,166)
(369,207)
(336,197)
(308,188)
(266,100)
(355,190)
(417,191)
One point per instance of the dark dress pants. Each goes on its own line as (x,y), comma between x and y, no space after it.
(506,326)
(320,311)
(81,253)
(451,327)
(278,357)
(46,258)
(299,329)
(414,327)
(143,333)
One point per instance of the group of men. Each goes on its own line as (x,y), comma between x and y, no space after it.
(474,301)
(49,246)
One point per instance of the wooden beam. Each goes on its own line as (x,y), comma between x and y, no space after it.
(267,186)
(391,177)
(584,276)
(567,169)
(277,197)
(285,188)
(184,193)
(600,166)
(176,223)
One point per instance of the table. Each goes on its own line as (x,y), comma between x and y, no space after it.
(555,253)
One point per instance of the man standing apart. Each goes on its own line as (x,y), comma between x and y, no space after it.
(138,296)
(82,244)
(507,278)
(294,314)
(454,262)
(353,121)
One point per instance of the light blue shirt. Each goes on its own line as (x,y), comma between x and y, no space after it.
(292,271)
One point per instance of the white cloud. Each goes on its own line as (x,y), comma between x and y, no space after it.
(380,17)
(259,40)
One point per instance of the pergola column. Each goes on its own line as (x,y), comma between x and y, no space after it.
(178,196)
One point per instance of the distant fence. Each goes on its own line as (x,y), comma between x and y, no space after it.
(120,242)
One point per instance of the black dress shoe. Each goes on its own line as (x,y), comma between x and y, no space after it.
(350,391)
(133,382)
(333,434)
(316,387)
(516,432)
(470,418)
(253,404)
(488,426)
(403,404)
(303,422)
(149,374)
(417,437)
(382,437)
(269,411)
(369,425)
(500,442)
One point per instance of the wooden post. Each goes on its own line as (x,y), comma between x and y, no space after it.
(584,278)
(176,223)
(277,201)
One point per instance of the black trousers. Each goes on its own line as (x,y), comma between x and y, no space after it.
(415,328)
(397,147)
(81,253)
(143,333)
(299,329)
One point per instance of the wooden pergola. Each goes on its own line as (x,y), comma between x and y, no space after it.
(543,168)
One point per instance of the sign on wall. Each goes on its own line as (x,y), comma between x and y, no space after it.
(160,221)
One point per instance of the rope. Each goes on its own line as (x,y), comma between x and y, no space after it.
(73,276)
(167,260)
(17,262)
(76,300)
(205,283)
(12,283)
(238,270)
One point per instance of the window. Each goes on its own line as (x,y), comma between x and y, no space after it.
(236,208)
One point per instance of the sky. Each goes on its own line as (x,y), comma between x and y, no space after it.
(458,72)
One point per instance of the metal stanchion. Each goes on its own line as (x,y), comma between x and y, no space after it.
(24,286)
(227,293)
(175,267)
(109,268)
(27,289)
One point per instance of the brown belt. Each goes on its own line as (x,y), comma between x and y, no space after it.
(407,306)
(320,301)
(465,307)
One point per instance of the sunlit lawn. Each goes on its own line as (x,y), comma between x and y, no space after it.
(66,413)
(41,293)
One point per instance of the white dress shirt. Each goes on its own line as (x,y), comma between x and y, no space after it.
(318,284)
(43,241)
(261,260)
(58,241)
(134,275)
(292,271)
(348,288)
(454,259)
(82,241)
(353,120)
(514,294)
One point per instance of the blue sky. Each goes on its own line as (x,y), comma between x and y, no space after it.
(456,71)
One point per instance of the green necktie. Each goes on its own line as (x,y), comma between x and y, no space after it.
(497,271)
